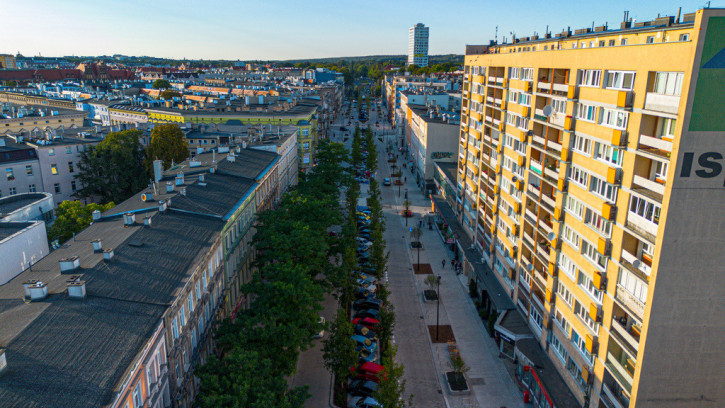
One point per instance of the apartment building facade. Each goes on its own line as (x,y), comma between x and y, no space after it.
(418,45)
(575,151)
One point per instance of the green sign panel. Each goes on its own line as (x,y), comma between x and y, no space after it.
(709,103)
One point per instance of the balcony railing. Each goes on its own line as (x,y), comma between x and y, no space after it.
(649,184)
(655,143)
(631,302)
(626,336)
(619,372)
(662,103)
(633,260)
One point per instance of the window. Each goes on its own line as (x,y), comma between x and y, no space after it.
(559,349)
(563,323)
(137,396)
(565,294)
(175,328)
(580,344)
(536,318)
(56,186)
(632,284)
(9,174)
(31,188)
(574,206)
(54,169)
(684,37)
(590,252)
(527,74)
(590,77)
(558,105)
(567,266)
(578,176)
(29,170)
(525,99)
(613,118)
(650,39)
(603,189)
(608,154)
(190,302)
(659,170)
(582,144)
(620,80)
(668,83)
(514,73)
(70,167)
(198,290)
(611,43)
(570,236)
(68,150)
(12,190)
(586,112)
(586,283)
(666,128)
(645,209)
(596,221)
(182,316)
(51,151)
(623,41)
(601,43)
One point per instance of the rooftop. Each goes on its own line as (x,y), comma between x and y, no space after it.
(15,202)
(8,229)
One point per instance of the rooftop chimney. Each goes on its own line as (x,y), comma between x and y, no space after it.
(37,291)
(108,254)
(97,247)
(69,264)
(96,215)
(179,179)
(26,286)
(147,221)
(169,187)
(76,287)
(158,170)
(129,219)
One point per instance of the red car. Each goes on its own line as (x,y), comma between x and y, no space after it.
(368,322)
(370,371)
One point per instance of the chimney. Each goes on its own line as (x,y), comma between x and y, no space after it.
(129,219)
(147,221)
(201,178)
(76,287)
(69,264)
(169,187)
(182,190)
(158,170)
(162,206)
(179,179)
(97,247)
(26,286)
(108,254)
(37,291)
(96,215)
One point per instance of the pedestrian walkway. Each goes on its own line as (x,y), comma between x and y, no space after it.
(489,380)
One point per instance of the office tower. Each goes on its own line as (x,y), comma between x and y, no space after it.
(418,45)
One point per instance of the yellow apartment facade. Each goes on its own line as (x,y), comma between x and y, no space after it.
(590,178)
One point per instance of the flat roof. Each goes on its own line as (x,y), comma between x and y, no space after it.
(17,201)
(8,229)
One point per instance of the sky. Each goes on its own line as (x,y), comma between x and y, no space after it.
(284,29)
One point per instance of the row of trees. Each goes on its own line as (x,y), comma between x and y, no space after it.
(292,272)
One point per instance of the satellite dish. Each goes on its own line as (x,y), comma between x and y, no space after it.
(530,267)
(637,263)
(548,110)
(551,236)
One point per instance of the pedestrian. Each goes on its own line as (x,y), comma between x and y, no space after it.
(443,264)
(420,223)
(406,179)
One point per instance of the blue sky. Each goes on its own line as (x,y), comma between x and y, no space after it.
(283,29)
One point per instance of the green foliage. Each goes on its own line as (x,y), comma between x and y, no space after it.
(112,170)
(458,365)
(387,323)
(415,234)
(338,350)
(167,144)
(161,84)
(169,94)
(431,281)
(71,217)
(392,387)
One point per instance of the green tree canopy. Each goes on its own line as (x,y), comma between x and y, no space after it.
(338,350)
(112,170)
(168,94)
(161,84)
(71,217)
(167,144)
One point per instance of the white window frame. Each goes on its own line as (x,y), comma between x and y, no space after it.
(590,77)
(623,80)
(586,112)
(613,118)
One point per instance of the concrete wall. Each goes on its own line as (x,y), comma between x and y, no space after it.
(23,180)
(22,249)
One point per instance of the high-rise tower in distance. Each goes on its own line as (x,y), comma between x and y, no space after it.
(418,45)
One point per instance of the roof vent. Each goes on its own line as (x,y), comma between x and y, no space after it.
(169,187)
(231,158)
(97,247)
(179,179)
(129,219)
(201,178)
(26,286)
(147,221)
(38,291)
(194,163)
(182,190)
(69,264)
(108,254)
(96,215)
(162,206)
(76,287)
(147,197)
(212,170)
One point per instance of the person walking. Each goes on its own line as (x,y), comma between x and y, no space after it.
(443,264)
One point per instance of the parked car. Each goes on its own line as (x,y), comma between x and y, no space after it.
(367,356)
(366,281)
(361,330)
(386,182)
(362,304)
(370,371)
(363,342)
(361,293)
(368,322)
(375,314)
(369,288)
(362,388)
(364,402)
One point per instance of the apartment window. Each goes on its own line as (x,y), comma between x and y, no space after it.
(578,176)
(558,106)
(51,151)
(9,174)
(590,252)
(650,39)
(12,190)
(559,349)
(567,266)
(54,169)
(590,77)
(565,294)
(305,132)
(620,80)
(137,396)
(536,318)
(608,154)
(611,43)
(574,44)
(31,188)
(644,209)
(580,344)
(659,170)
(666,128)
(574,206)
(563,323)
(582,145)
(668,83)
(70,167)
(193,338)
(613,118)
(633,285)
(586,283)
(603,189)
(570,236)
(586,112)
(514,73)
(198,290)
(56,186)
(623,41)
(182,316)
(525,99)
(175,328)
(684,37)
(601,43)
(596,221)
(527,74)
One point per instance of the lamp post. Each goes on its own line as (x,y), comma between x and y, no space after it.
(438,306)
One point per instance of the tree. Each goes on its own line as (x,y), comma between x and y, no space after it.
(415,234)
(72,217)
(112,170)
(167,144)
(392,386)
(386,325)
(458,365)
(338,350)
(161,84)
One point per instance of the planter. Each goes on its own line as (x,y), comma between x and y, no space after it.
(457,384)
(430,295)
(416,244)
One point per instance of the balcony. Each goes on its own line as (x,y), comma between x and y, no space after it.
(649,142)
(629,301)
(662,103)
(617,367)
(611,400)
(535,166)
(641,264)
(651,185)
(642,225)
(626,336)
(549,200)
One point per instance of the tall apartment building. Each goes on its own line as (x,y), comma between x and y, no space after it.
(590,178)
(418,45)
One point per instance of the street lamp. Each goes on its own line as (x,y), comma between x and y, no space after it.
(438,306)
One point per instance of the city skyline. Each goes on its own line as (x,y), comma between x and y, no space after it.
(281,31)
